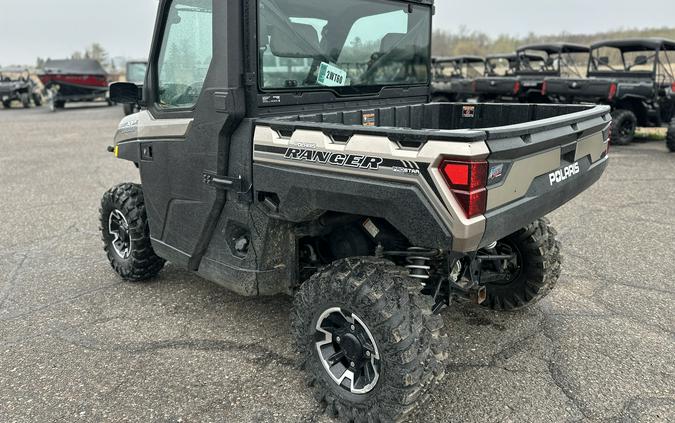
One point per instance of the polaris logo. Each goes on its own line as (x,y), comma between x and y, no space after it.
(564,174)
(335,159)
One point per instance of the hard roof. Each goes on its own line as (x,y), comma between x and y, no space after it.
(512,57)
(469,59)
(74,67)
(14,69)
(637,44)
(557,48)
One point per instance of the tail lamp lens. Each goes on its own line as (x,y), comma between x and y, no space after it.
(467,182)
(672,87)
(612,91)
(516,87)
(544,88)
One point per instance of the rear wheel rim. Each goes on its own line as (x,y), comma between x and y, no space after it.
(627,128)
(347,351)
(509,269)
(118,228)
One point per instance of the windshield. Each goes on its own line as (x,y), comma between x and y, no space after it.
(500,66)
(534,61)
(612,59)
(565,63)
(350,46)
(136,72)
(459,69)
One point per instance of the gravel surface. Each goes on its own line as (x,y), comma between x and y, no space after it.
(78,344)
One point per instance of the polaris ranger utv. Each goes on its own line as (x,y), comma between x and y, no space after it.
(635,77)
(453,77)
(17,85)
(534,64)
(289,147)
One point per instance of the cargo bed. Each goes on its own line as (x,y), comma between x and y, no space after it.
(525,145)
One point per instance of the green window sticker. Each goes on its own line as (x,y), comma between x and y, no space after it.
(331,76)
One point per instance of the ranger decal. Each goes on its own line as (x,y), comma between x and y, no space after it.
(335,159)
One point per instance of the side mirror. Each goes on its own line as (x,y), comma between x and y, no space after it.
(126,93)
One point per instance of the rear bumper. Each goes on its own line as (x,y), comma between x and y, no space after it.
(540,200)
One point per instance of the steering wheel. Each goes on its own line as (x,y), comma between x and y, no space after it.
(191,91)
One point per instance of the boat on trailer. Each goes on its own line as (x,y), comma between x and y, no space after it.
(75,80)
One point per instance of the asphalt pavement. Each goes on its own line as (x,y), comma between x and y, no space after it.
(78,344)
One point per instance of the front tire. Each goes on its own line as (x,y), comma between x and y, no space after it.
(536,272)
(386,330)
(126,234)
(624,124)
(670,139)
(25,101)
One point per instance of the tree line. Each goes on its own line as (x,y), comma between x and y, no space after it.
(467,42)
(95,51)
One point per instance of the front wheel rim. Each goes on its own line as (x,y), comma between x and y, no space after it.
(347,351)
(118,227)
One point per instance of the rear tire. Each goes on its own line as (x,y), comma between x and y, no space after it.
(37,99)
(406,336)
(7,104)
(624,124)
(126,235)
(670,139)
(540,266)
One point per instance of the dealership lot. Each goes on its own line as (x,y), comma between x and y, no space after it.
(77,344)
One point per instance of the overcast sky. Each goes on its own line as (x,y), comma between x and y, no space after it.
(57,28)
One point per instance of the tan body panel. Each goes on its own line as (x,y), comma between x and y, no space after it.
(143,126)
(467,233)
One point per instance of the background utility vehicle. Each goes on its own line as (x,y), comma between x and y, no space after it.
(534,64)
(135,74)
(453,77)
(280,155)
(635,77)
(17,85)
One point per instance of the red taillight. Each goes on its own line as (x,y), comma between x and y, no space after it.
(612,91)
(672,87)
(467,181)
(544,88)
(516,87)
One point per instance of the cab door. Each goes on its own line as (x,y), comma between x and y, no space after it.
(190,92)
